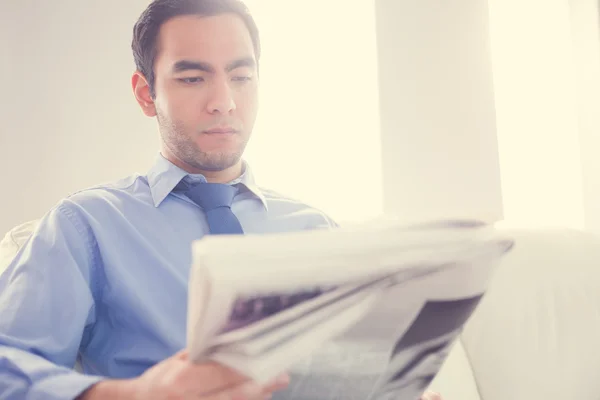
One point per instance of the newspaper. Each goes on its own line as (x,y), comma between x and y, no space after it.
(368,312)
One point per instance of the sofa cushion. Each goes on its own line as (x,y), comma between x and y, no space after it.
(13,241)
(536,333)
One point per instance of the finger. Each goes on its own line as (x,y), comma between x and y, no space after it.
(210,378)
(245,391)
(181,355)
(429,395)
(249,390)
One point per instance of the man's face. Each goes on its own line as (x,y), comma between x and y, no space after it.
(206,90)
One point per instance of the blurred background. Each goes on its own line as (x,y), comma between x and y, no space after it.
(486,109)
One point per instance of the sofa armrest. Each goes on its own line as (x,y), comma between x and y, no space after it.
(13,241)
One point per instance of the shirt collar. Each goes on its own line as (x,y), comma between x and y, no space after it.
(164,176)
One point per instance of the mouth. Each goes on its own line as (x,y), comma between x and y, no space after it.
(221,131)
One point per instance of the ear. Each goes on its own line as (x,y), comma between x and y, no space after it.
(141,90)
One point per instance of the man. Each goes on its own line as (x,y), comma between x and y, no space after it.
(103,278)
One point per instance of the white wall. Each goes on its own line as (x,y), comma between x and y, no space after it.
(440,154)
(68,116)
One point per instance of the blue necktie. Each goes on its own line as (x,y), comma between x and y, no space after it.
(216,199)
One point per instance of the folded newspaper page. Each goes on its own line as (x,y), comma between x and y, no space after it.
(367,312)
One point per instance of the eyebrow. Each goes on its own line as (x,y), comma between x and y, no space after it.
(187,65)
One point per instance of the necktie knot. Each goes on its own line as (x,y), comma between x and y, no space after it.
(210,196)
(216,199)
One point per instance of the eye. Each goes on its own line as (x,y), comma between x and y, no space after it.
(241,78)
(192,80)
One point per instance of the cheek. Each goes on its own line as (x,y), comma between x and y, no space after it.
(180,101)
(247,107)
(186,110)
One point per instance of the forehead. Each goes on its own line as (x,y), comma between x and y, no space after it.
(217,39)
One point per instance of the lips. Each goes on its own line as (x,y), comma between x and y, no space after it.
(221,130)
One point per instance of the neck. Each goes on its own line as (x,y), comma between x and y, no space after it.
(220,176)
(223,176)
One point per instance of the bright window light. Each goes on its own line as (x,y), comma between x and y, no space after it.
(317,136)
(537,123)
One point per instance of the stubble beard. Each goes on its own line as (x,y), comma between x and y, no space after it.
(182,146)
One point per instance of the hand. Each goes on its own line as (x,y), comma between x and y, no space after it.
(429,395)
(176,378)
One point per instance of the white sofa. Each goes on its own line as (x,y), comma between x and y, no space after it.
(536,334)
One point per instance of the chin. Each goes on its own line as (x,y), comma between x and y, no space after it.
(217,162)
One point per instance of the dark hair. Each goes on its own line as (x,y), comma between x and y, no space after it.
(146,29)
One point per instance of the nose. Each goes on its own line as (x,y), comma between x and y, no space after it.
(221,98)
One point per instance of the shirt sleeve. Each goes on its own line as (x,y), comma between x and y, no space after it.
(46,307)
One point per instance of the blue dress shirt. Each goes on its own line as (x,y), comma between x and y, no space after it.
(104,277)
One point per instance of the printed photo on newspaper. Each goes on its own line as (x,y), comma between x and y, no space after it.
(368,312)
